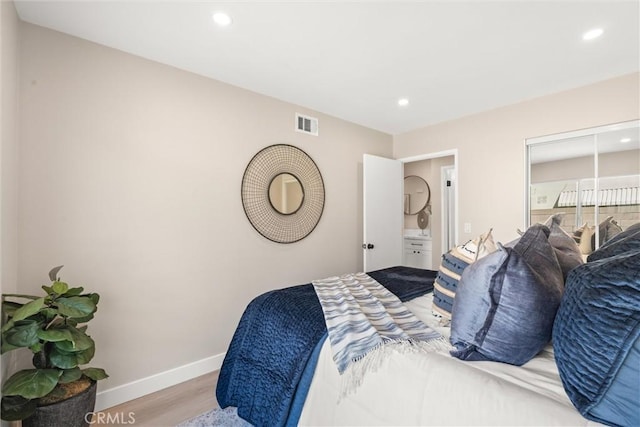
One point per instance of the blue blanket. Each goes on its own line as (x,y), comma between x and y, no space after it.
(268,367)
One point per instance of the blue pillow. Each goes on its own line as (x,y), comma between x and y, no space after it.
(596,339)
(628,240)
(506,302)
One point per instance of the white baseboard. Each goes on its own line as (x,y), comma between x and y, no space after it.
(135,389)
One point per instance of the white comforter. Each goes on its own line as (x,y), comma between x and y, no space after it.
(437,389)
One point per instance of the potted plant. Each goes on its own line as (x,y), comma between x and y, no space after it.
(50,326)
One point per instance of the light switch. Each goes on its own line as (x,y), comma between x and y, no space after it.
(467,227)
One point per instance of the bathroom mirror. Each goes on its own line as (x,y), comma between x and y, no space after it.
(286,193)
(282,193)
(417,194)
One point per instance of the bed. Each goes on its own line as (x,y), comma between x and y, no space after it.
(279,368)
(424,389)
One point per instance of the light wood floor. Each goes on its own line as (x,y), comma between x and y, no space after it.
(167,407)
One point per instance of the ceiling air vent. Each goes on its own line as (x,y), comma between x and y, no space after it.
(307,124)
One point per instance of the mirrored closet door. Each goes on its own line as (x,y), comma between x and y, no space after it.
(592,176)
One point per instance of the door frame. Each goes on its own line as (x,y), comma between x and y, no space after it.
(445,171)
(453,152)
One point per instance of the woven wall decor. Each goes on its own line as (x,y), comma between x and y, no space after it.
(263,168)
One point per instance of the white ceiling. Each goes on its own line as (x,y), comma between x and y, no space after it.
(355,59)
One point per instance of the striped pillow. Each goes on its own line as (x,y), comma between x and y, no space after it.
(450,271)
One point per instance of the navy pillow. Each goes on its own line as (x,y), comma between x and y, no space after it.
(628,240)
(506,302)
(596,339)
(567,250)
(609,228)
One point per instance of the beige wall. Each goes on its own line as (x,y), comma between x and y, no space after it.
(8,154)
(130,176)
(491,147)
(9,147)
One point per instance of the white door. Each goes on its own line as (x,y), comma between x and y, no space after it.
(382,211)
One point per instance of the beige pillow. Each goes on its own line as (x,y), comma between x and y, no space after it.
(586,239)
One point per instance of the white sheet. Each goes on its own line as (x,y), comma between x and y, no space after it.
(437,389)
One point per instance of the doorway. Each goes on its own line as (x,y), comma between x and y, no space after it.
(383,196)
(439,170)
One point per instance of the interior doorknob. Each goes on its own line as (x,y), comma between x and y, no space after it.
(367,246)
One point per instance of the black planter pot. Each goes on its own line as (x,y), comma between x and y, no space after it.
(73,412)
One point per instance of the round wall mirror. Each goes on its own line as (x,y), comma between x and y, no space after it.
(283,193)
(286,193)
(416,194)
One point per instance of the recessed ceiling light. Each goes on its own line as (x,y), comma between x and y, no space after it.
(221,19)
(403,102)
(592,34)
(625,140)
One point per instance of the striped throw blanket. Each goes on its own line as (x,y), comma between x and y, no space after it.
(365,322)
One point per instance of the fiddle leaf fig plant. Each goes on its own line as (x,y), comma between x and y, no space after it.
(51,327)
